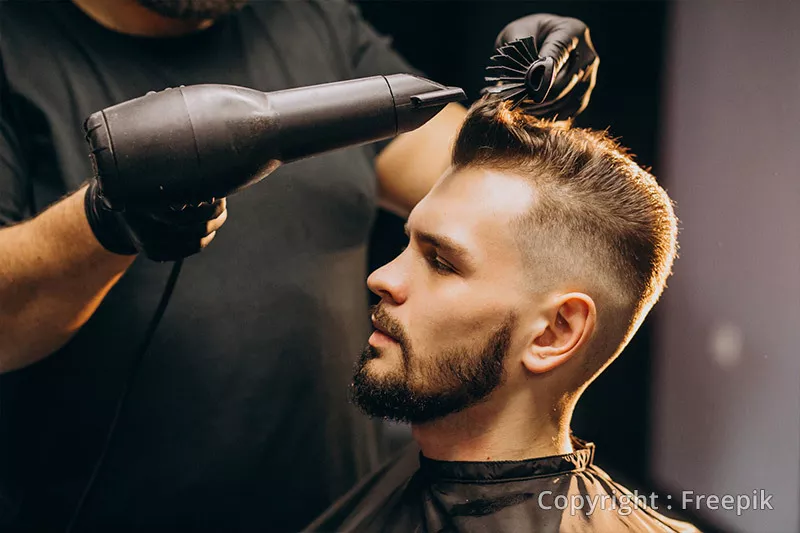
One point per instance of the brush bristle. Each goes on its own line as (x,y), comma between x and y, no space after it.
(508,75)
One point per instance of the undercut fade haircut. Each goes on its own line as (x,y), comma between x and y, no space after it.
(598,220)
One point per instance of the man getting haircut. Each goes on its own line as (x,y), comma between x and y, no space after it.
(529,267)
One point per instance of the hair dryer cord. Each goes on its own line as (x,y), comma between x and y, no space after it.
(134,366)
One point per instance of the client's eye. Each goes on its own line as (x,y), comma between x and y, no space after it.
(438,265)
(434,261)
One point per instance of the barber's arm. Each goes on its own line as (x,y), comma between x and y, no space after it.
(53,275)
(56,267)
(409,166)
(412,163)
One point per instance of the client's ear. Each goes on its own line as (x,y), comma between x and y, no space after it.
(568,326)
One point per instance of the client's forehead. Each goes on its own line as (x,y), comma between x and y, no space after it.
(474,207)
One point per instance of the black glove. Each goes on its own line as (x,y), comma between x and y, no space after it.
(567,41)
(165,235)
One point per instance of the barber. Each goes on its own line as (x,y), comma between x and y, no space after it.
(237,419)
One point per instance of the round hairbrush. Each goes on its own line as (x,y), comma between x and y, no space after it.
(518,74)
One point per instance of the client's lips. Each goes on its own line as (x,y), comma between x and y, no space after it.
(382,329)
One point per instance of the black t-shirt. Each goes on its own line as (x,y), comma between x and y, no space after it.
(556,494)
(237,418)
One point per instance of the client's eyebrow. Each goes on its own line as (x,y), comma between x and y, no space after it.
(443,243)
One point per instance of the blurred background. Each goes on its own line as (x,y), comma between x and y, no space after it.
(707,396)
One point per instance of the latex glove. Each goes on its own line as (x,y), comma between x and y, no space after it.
(165,235)
(567,41)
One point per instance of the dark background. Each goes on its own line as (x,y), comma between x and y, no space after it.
(451,41)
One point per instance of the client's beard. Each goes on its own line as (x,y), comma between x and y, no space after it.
(192,9)
(452,381)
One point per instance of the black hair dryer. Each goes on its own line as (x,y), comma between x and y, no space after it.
(190,144)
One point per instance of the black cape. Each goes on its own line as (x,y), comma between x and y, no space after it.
(412,493)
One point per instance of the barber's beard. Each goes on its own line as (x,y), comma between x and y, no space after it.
(450,382)
(192,9)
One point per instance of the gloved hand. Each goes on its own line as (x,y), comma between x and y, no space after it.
(165,235)
(567,41)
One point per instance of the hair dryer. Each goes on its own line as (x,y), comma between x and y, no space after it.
(190,144)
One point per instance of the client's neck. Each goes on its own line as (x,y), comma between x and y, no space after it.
(511,431)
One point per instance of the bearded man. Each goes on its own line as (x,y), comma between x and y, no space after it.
(529,267)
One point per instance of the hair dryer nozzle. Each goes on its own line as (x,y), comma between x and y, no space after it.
(326,117)
(436,98)
(417,100)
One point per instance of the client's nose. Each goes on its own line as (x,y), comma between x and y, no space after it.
(388,283)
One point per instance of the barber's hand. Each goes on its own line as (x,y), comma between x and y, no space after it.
(162,235)
(567,41)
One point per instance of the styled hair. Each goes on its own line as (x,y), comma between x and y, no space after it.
(597,218)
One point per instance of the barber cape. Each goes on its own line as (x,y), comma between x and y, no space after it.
(561,493)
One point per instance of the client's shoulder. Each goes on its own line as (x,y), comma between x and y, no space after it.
(610,505)
(366,502)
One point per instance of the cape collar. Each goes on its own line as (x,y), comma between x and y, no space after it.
(487,471)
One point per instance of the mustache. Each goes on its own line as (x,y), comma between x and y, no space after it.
(389,324)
